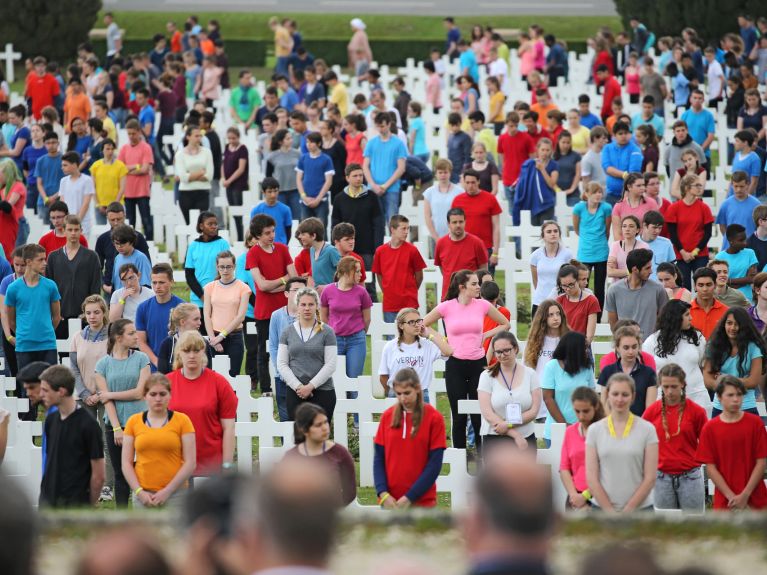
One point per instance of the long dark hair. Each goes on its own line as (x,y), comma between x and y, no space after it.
(571,351)
(116,329)
(502,336)
(458,279)
(277,139)
(669,328)
(719,346)
(305,415)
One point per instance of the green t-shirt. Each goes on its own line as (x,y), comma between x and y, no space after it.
(244,101)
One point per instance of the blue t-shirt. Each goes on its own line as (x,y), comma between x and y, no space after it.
(468,60)
(152,317)
(34,329)
(735,211)
(146,118)
(29,158)
(590,120)
(656,122)
(324,268)
(681,87)
(563,384)
(739,264)
(5,271)
(733,366)
(315,168)
(289,100)
(662,251)
(7,281)
(700,125)
(383,159)
(201,257)
(592,241)
(453,37)
(139,260)
(22,133)
(749,163)
(83,144)
(48,169)
(244,275)
(282,217)
(418,128)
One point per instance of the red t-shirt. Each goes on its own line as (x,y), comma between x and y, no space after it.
(539,135)
(42,90)
(303,263)
(734,449)
(51,242)
(689,221)
(578,312)
(515,150)
(612,90)
(272,266)
(397,268)
(206,401)
(677,454)
(468,253)
(479,210)
(405,457)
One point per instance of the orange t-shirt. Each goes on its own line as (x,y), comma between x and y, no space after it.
(490,324)
(76,106)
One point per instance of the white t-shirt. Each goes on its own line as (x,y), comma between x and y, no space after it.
(500,70)
(544,356)
(421,359)
(687,356)
(73,193)
(715,79)
(500,397)
(131,304)
(547,269)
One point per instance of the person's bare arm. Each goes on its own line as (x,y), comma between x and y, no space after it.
(551,404)
(143,345)
(228,440)
(612,319)
(396,175)
(55,313)
(98,473)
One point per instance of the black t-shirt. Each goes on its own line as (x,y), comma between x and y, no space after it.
(71,444)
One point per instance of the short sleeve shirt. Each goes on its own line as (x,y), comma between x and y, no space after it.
(141,153)
(272,266)
(592,243)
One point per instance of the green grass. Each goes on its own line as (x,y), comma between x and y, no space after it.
(252,26)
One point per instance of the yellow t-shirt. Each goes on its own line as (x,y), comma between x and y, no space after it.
(494,99)
(110,129)
(339,96)
(281,35)
(106,179)
(159,454)
(581,140)
(487,137)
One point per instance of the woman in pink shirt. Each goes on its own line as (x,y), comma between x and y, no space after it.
(464,316)
(634,203)
(619,249)
(572,465)
(209,81)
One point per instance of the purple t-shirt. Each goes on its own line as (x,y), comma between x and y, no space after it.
(232,162)
(345,308)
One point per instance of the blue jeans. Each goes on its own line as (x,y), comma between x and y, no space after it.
(685,491)
(234,346)
(573,199)
(282,398)
(281,66)
(425,395)
(23,234)
(389,205)
(291,199)
(354,347)
(390,316)
(320,212)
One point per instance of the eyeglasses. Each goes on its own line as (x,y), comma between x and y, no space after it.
(226,268)
(506,351)
(414,322)
(568,286)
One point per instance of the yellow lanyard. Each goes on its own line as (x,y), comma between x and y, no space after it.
(626,431)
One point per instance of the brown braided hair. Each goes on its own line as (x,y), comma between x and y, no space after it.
(672,370)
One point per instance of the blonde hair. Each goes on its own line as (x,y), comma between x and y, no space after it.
(400,320)
(591,188)
(311,292)
(99,301)
(178,314)
(157,379)
(189,341)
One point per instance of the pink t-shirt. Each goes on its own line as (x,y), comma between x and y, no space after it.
(618,252)
(464,326)
(345,308)
(225,302)
(141,153)
(574,456)
(610,358)
(622,208)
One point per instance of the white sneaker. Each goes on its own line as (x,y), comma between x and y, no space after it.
(106,494)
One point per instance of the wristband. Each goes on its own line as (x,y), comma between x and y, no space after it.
(587,495)
(227,465)
(284,282)
(625,175)
(223,332)
(431,337)
(510,425)
(122,301)
(695,252)
(384,496)
(137,491)
(117,429)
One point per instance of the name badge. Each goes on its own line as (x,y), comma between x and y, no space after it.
(514,413)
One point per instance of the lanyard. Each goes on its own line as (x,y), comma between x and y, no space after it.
(626,431)
(513,373)
(301,331)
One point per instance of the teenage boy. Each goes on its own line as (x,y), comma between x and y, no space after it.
(41,87)
(742,260)
(74,453)
(458,250)
(746,160)
(305,236)
(280,319)
(591,163)
(101,111)
(723,292)
(662,248)
(56,238)
(323,257)
(458,147)
(146,120)
(398,265)
(530,120)
(33,309)
(482,215)
(271,266)
(514,148)
(701,124)
(734,447)
(109,176)
(588,119)
(358,206)
(105,247)
(76,190)
(125,301)
(680,143)
(29,379)
(77,273)
(344,238)
(619,158)
(384,164)
(152,316)
(280,213)
(137,155)
(48,173)
(648,116)
(611,89)
(705,309)
(738,208)
(19,265)
(124,240)
(636,297)
(758,240)
(314,176)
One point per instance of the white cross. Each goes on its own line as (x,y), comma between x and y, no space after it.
(9,56)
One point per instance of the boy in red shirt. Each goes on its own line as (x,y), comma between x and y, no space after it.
(482,214)
(458,250)
(42,88)
(399,267)
(734,447)
(56,239)
(303,261)
(342,235)
(514,147)
(611,89)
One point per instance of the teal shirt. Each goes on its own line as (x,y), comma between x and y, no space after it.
(739,266)
(324,267)
(244,275)
(733,366)
(201,256)
(563,384)
(123,375)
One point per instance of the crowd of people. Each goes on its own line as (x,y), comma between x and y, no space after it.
(681,390)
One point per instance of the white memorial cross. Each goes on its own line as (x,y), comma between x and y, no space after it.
(10,56)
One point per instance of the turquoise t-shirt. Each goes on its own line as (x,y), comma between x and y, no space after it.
(123,375)
(592,241)
(34,329)
(324,267)
(732,366)
(201,256)
(418,128)
(563,384)
(739,264)
(244,275)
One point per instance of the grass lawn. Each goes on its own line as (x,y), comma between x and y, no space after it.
(254,26)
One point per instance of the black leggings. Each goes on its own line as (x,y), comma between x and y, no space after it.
(461,380)
(599,269)
(122,489)
(262,361)
(326,399)
(193,200)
